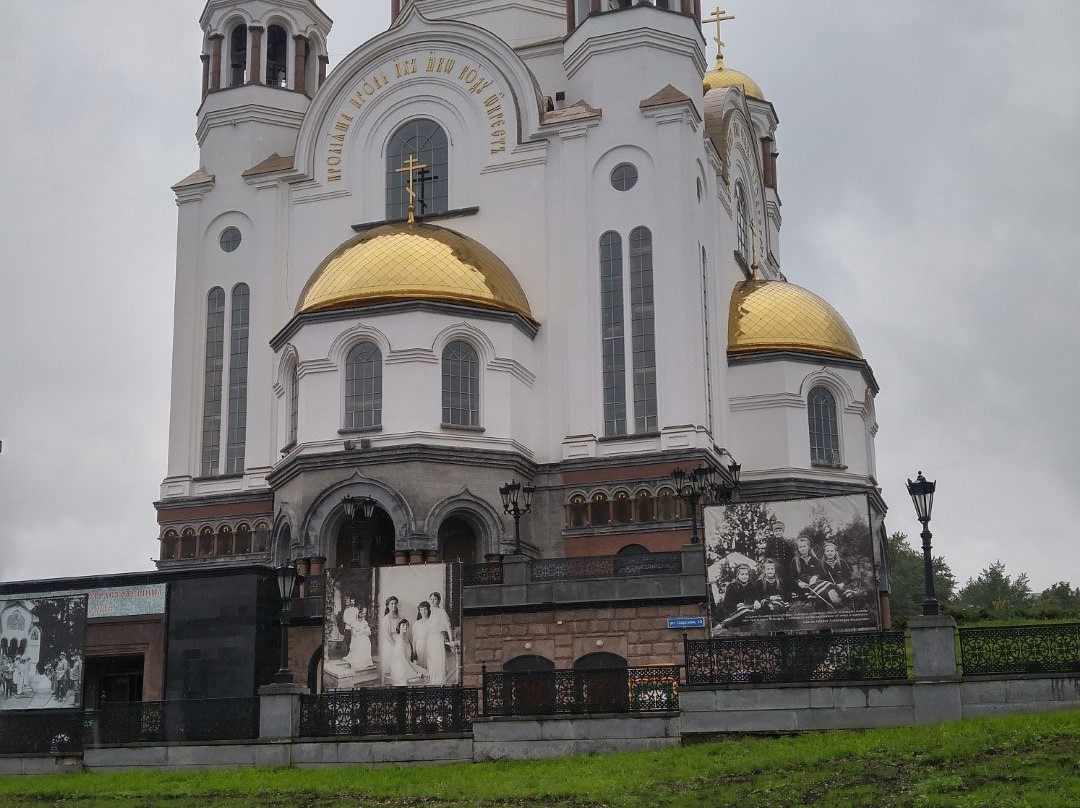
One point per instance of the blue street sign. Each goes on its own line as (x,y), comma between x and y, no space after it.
(686,622)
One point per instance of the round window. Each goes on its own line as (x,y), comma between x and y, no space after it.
(229,239)
(623,177)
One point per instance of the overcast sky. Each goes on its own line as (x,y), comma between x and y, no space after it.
(931,192)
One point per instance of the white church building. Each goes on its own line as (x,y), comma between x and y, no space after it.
(534,241)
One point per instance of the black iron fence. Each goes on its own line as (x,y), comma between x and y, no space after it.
(601,690)
(480,574)
(176,721)
(389,711)
(796,658)
(33,732)
(1048,648)
(616,566)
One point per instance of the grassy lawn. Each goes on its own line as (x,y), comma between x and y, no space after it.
(1016,762)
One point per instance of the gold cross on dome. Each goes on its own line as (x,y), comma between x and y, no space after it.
(411,164)
(718,16)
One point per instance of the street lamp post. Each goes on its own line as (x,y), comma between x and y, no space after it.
(287,579)
(691,488)
(922,494)
(367,507)
(515,506)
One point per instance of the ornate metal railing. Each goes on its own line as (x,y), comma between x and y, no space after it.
(389,711)
(480,574)
(624,566)
(1050,648)
(33,732)
(796,658)
(602,690)
(176,721)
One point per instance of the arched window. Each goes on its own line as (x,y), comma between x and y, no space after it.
(425,141)
(600,509)
(457,538)
(643,506)
(294,404)
(206,540)
(363,386)
(460,384)
(187,543)
(642,329)
(215,342)
(238,58)
(577,511)
(621,508)
(238,367)
(612,344)
(277,56)
(666,505)
(261,538)
(742,222)
(170,544)
(242,543)
(824,431)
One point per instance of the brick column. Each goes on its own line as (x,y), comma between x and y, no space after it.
(300,63)
(401,558)
(215,61)
(416,557)
(255,54)
(205,59)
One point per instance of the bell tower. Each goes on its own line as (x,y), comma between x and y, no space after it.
(261,64)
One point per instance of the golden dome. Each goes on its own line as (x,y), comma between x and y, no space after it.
(417,261)
(779,316)
(723,77)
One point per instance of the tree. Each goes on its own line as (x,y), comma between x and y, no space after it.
(906,578)
(1060,598)
(995,592)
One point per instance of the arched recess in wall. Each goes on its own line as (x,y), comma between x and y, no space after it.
(326,517)
(471,513)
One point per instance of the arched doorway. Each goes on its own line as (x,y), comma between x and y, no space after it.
(601,683)
(376,541)
(530,685)
(458,540)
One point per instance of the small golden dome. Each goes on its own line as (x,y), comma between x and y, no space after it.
(779,316)
(417,261)
(723,77)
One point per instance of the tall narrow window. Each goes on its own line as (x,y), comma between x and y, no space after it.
(425,141)
(294,404)
(363,386)
(642,329)
(824,434)
(742,222)
(277,55)
(460,384)
(238,56)
(238,367)
(708,339)
(612,332)
(215,343)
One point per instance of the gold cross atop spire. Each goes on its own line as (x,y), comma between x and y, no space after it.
(411,164)
(718,16)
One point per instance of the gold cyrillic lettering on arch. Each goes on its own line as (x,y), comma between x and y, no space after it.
(476,80)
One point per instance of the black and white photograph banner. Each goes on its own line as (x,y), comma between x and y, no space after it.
(41,652)
(392,626)
(795,565)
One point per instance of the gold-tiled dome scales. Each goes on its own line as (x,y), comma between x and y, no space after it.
(417,261)
(779,316)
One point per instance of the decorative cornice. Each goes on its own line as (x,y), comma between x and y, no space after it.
(807,358)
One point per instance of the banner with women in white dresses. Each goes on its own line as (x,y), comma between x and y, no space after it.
(393,626)
(795,565)
(41,652)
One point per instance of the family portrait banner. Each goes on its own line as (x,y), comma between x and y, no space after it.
(41,652)
(393,626)
(795,565)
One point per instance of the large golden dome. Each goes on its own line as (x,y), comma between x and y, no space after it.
(779,316)
(416,261)
(723,77)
